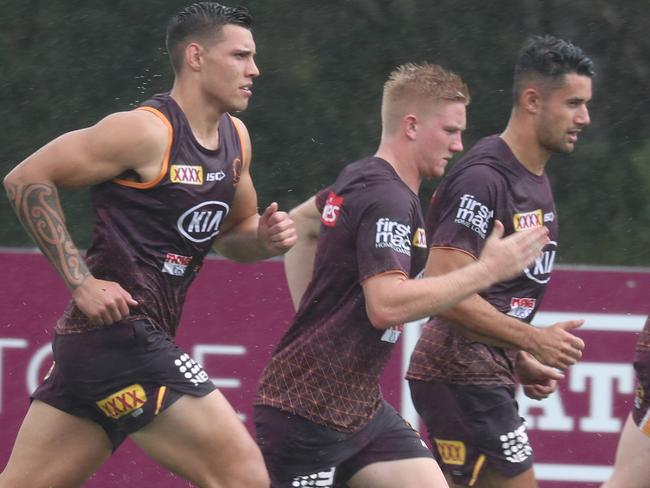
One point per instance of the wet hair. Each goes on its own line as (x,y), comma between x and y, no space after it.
(201,21)
(547,60)
(410,85)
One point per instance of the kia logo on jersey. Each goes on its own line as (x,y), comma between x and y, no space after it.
(540,272)
(202,222)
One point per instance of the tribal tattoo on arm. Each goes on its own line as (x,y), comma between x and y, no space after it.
(39,210)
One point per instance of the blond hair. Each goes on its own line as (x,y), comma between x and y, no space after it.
(410,86)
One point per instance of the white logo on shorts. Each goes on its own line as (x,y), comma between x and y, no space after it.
(323,479)
(515,445)
(191,370)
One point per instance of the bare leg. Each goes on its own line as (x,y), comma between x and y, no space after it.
(405,473)
(491,479)
(632,465)
(55,450)
(203,440)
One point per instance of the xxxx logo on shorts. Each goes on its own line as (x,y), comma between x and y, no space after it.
(451,452)
(123,402)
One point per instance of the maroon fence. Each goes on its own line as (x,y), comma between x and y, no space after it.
(235,315)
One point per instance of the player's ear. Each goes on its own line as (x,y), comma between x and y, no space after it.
(193,56)
(409,126)
(530,100)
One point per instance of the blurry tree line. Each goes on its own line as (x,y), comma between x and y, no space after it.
(66,64)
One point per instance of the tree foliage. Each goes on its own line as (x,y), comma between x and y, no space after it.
(66,64)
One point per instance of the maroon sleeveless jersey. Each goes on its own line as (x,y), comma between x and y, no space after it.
(326,368)
(151,237)
(488,183)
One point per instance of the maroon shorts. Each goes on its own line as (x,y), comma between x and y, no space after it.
(473,426)
(302,453)
(641,408)
(120,376)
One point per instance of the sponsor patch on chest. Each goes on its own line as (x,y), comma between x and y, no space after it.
(392,333)
(175,264)
(420,238)
(185,174)
(202,222)
(527,220)
(521,307)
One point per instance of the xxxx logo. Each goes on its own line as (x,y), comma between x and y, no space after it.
(189,175)
(123,402)
(451,452)
(527,220)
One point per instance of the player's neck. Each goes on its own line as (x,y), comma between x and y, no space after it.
(524,144)
(402,164)
(202,116)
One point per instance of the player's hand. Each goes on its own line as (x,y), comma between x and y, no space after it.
(538,380)
(276,230)
(541,391)
(103,302)
(555,346)
(507,257)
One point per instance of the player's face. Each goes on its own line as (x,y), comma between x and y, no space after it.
(564,114)
(439,137)
(229,68)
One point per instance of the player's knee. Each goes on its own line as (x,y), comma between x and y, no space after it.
(249,471)
(254,471)
(257,476)
(246,476)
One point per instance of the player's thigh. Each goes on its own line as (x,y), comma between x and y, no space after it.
(492,479)
(54,448)
(632,465)
(404,473)
(203,440)
(473,429)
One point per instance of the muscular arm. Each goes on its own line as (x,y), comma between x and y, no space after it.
(120,142)
(480,321)
(393,299)
(247,236)
(299,261)
(475,316)
(38,208)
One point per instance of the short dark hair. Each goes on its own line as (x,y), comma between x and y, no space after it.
(549,59)
(200,21)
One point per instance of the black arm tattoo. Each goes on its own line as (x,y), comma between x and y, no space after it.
(39,210)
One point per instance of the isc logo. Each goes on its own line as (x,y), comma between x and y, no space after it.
(218,176)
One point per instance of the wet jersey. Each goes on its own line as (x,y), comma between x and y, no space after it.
(151,237)
(326,368)
(488,183)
